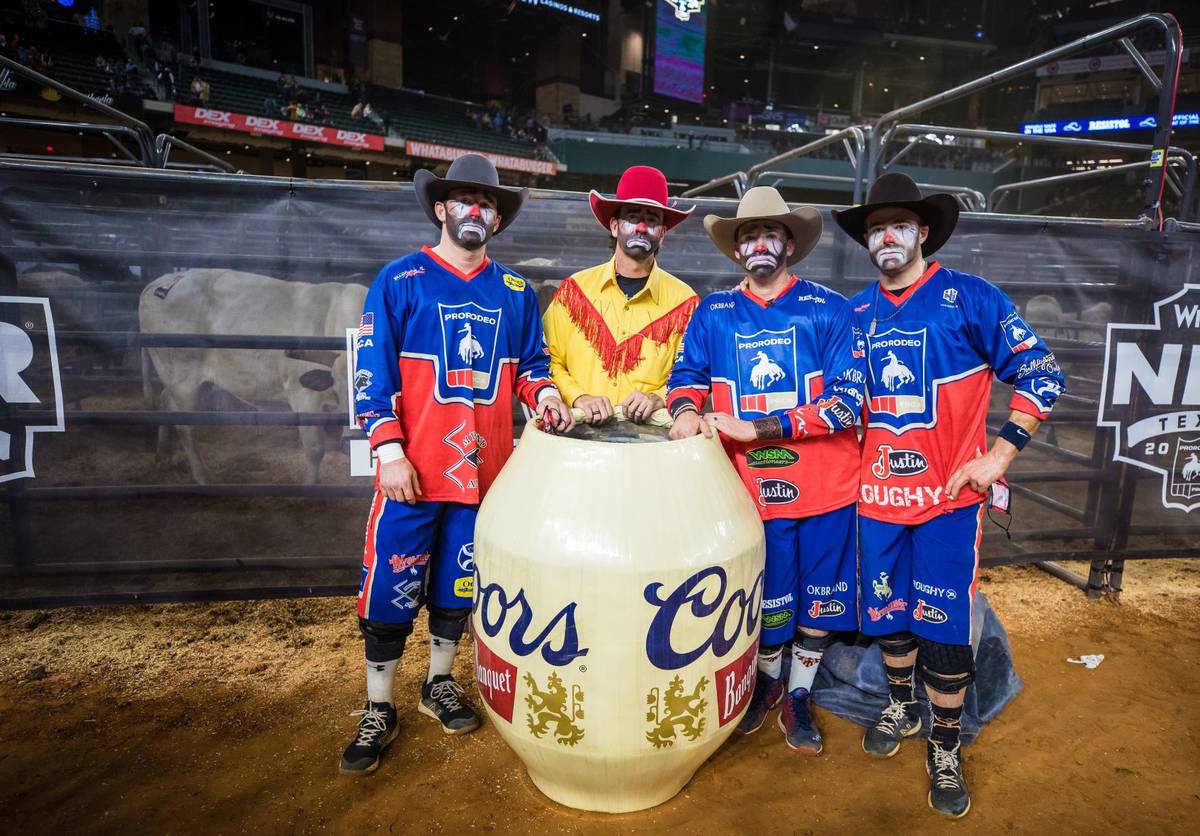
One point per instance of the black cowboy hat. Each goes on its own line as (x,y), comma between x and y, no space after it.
(939,212)
(473,172)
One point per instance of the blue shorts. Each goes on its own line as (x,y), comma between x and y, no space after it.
(921,577)
(414,555)
(809,579)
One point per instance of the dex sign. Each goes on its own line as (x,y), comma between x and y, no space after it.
(267,126)
(1151,395)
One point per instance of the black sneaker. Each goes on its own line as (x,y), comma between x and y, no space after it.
(798,727)
(947,788)
(442,699)
(898,721)
(768,690)
(376,730)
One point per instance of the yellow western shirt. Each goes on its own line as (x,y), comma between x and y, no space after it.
(604,344)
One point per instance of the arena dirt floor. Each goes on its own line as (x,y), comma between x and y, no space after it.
(229,718)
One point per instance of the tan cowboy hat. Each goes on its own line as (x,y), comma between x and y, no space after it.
(764,203)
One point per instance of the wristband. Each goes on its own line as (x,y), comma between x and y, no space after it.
(681,406)
(1015,434)
(767,429)
(390,451)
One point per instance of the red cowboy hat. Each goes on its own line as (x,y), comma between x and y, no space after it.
(640,185)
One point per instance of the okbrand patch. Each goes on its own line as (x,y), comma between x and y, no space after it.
(768,457)
(823,609)
(930,613)
(776,492)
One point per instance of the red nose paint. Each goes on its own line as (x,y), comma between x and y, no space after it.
(641,227)
(474,211)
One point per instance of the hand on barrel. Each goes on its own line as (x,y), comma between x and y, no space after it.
(639,406)
(689,423)
(731,427)
(398,481)
(554,415)
(596,408)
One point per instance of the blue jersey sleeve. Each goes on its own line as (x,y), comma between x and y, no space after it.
(1016,353)
(377,370)
(844,371)
(691,375)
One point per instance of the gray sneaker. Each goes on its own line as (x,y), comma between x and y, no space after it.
(947,787)
(376,730)
(442,699)
(897,721)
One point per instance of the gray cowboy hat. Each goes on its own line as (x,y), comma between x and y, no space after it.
(939,212)
(765,203)
(474,172)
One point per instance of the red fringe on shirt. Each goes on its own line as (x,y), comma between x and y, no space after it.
(623,357)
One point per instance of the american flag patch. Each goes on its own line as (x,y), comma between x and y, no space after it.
(366,327)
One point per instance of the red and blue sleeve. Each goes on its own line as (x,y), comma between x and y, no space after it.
(1016,353)
(533,366)
(844,373)
(691,374)
(377,370)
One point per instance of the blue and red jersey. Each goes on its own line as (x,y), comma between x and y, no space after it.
(790,358)
(931,354)
(440,356)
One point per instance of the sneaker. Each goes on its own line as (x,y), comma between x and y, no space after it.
(947,788)
(898,721)
(798,728)
(442,699)
(767,692)
(376,729)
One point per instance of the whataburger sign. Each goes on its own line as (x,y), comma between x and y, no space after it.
(430,151)
(266,126)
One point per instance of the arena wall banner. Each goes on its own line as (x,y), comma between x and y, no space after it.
(173,397)
(430,151)
(267,126)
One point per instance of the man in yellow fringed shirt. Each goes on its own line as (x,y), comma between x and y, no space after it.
(613,330)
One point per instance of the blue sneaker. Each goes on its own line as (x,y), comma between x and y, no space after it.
(798,728)
(767,692)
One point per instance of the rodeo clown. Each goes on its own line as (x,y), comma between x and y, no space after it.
(933,337)
(447,337)
(786,386)
(613,330)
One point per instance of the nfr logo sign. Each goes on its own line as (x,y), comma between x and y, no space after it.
(1151,395)
(30,385)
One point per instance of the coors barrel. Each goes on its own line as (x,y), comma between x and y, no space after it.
(618,592)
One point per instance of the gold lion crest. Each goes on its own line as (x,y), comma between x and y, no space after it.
(548,711)
(675,713)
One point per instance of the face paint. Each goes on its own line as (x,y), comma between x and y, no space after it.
(893,246)
(639,236)
(762,252)
(470,223)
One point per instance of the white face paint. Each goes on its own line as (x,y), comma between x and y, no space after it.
(470,222)
(761,249)
(640,232)
(893,245)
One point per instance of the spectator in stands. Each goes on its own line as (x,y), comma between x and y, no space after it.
(166,83)
(319,112)
(201,91)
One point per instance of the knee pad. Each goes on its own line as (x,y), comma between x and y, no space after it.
(448,624)
(384,642)
(814,644)
(769,649)
(898,644)
(947,668)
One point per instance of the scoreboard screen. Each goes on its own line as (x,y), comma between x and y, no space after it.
(679,54)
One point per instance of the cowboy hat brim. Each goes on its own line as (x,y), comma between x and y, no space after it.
(604,208)
(939,212)
(803,223)
(431,189)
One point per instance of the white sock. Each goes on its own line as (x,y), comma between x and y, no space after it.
(771,663)
(804,669)
(380,676)
(441,657)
